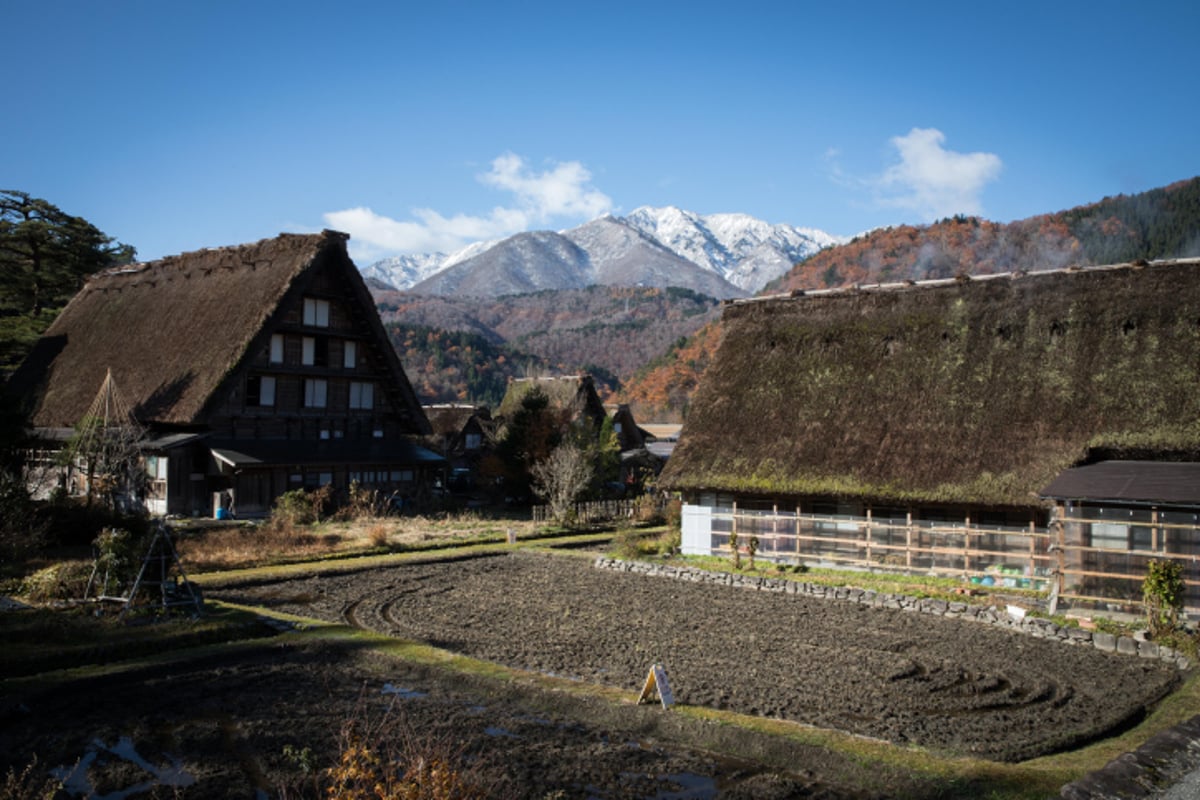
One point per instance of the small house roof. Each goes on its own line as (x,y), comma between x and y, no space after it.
(969,390)
(573,394)
(1132,482)
(285,453)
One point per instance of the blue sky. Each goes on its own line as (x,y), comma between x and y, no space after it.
(419,126)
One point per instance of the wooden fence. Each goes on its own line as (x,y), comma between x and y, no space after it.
(606,510)
(1059,558)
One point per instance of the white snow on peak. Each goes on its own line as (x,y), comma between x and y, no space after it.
(743,250)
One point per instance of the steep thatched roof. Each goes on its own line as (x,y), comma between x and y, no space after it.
(958,391)
(574,395)
(171,330)
(449,419)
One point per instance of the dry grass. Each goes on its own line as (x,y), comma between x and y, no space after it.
(230,547)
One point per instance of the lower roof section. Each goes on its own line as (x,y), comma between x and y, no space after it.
(281,453)
(1139,482)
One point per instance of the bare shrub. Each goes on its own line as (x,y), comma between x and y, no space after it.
(363,503)
(386,758)
(29,784)
(378,535)
(562,477)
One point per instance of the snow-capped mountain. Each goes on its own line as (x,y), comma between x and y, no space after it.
(747,252)
(404,271)
(722,255)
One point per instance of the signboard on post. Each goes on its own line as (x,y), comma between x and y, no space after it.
(656,686)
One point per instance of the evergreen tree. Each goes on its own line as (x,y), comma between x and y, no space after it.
(45,253)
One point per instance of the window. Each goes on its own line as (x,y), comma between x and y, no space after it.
(316,312)
(362,395)
(314,351)
(474,441)
(260,390)
(315,392)
(314,479)
(156,467)
(277,348)
(349,355)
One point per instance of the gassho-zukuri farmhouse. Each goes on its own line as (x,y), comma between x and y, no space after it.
(1036,429)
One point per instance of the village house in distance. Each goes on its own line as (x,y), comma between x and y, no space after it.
(1036,429)
(253,370)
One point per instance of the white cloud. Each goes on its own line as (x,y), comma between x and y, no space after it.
(933,181)
(562,191)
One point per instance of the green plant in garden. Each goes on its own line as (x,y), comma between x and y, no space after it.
(119,555)
(1162,594)
(751,549)
(733,545)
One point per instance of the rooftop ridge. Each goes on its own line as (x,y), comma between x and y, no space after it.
(960,279)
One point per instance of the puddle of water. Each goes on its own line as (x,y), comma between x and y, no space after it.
(700,787)
(500,733)
(403,693)
(75,779)
(692,786)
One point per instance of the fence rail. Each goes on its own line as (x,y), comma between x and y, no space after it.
(1059,558)
(603,510)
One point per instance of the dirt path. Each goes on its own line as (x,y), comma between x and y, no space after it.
(947,685)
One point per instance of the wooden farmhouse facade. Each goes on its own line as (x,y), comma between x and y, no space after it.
(253,370)
(919,424)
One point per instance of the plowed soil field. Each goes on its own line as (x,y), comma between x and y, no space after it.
(951,686)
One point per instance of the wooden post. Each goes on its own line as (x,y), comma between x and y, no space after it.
(1032,550)
(868,534)
(1154,529)
(967,543)
(1058,527)
(775,527)
(733,529)
(908,531)
(799,531)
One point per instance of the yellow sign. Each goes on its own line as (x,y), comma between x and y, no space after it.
(657,687)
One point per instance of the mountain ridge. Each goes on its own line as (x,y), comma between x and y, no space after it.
(721,255)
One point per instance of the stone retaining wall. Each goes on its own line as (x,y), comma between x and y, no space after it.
(1037,627)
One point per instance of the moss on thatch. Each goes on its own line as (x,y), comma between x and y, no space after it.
(974,391)
(172,330)
(572,395)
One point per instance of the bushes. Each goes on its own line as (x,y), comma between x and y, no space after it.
(66,580)
(383,757)
(1162,594)
(632,543)
(300,507)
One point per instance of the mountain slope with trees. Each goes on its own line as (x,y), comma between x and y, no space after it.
(609,332)
(1160,223)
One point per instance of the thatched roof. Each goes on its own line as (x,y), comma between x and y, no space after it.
(573,395)
(172,330)
(960,391)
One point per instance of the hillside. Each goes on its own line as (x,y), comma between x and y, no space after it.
(610,332)
(1161,223)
